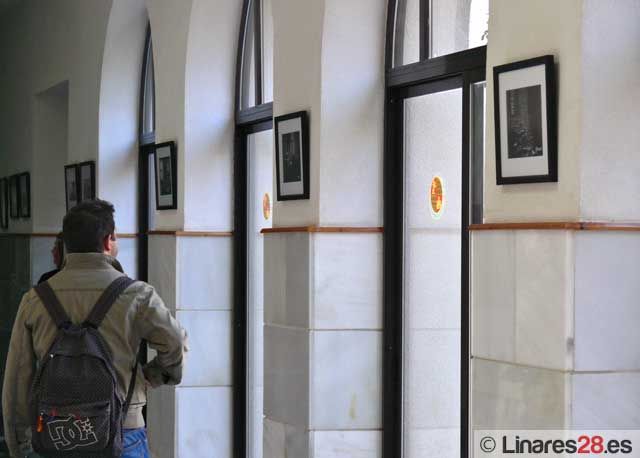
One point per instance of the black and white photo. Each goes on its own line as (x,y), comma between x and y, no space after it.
(292,156)
(24,186)
(4,203)
(14,199)
(87,181)
(71,186)
(166,178)
(525,121)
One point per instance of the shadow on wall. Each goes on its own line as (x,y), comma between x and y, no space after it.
(15,280)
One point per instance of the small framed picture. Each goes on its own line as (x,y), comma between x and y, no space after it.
(14,197)
(87,181)
(526,121)
(166,161)
(71,180)
(24,185)
(292,156)
(4,203)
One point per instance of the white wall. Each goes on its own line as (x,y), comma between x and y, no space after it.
(170,31)
(296,87)
(51,42)
(548,27)
(51,129)
(610,134)
(117,172)
(351,117)
(209,114)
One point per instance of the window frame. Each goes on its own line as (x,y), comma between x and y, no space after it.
(146,143)
(400,82)
(248,121)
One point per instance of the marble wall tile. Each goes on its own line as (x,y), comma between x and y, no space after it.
(208,362)
(205,267)
(346,374)
(286,375)
(347,275)
(204,422)
(606,306)
(493,294)
(286,279)
(161,421)
(281,440)
(128,256)
(432,375)
(41,257)
(162,267)
(510,396)
(346,444)
(433,443)
(544,298)
(606,400)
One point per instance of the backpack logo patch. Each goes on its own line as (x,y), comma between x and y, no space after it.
(71,433)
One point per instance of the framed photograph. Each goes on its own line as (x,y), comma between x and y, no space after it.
(526,121)
(71,188)
(14,200)
(86,181)
(292,156)
(4,203)
(166,162)
(24,186)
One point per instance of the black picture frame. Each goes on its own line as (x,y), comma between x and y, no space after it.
(14,197)
(71,186)
(4,203)
(165,157)
(24,194)
(86,179)
(292,171)
(526,134)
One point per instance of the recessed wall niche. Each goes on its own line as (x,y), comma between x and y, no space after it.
(51,125)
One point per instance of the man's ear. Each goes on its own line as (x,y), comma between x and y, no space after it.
(106,244)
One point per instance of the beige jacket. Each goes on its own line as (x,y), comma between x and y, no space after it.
(139,313)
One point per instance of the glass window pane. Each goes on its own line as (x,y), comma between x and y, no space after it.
(407,33)
(148,115)
(457,25)
(432,273)
(267,51)
(260,200)
(478,92)
(248,88)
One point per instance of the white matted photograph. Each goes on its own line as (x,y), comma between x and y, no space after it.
(292,156)
(166,176)
(525,121)
(71,186)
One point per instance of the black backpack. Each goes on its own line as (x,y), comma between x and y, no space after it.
(74,403)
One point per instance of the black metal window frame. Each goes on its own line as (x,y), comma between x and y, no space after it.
(466,68)
(248,121)
(146,143)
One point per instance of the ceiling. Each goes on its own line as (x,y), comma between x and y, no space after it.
(7,4)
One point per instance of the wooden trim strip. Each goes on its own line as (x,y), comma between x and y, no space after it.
(626,227)
(566,226)
(126,235)
(324,229)
(542,226)
(193,233)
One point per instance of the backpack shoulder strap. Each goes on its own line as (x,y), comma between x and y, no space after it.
(52,304)
(106,300)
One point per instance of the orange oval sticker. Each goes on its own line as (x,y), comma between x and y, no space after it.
(437,197)
(266,206)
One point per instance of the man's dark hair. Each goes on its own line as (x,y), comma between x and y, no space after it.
(86,225)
